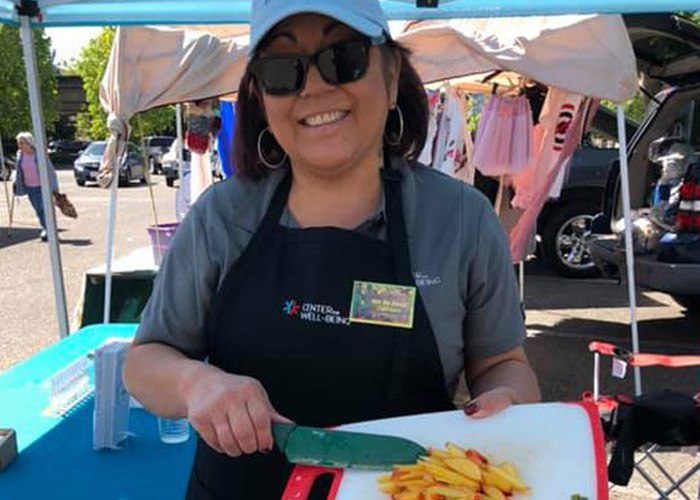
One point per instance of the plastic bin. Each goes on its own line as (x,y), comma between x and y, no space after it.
(160,239)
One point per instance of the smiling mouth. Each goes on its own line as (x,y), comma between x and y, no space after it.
(322,119)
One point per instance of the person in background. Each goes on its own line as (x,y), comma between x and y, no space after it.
(27,181)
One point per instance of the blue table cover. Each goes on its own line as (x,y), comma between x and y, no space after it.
(56,459)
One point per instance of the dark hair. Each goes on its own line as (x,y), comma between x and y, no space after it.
(250,119)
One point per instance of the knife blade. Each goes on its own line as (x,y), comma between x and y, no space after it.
(343,449)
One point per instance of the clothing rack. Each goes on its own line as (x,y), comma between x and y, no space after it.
(488,87)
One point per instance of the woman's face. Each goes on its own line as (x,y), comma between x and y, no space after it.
(24,147)
(328,128)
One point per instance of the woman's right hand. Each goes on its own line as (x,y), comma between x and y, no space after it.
(232,413)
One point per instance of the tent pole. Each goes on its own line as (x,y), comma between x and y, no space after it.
(180,140)
(46,181)
(521,276)
(110,241)
(629,247)
(4,183)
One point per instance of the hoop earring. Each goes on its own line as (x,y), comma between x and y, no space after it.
(397,141)
(268,164)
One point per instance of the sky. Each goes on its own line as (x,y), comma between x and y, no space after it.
(67,42)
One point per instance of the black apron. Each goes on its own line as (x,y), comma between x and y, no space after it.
(280,317)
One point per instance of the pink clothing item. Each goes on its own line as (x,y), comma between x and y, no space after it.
(523,230)
(557,116)
(503,144)
(30,171)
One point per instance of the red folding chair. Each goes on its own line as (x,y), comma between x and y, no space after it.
(610,409)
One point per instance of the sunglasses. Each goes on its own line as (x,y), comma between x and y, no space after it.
(285,74)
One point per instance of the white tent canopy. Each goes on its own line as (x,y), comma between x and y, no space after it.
(151,67)
(555,50)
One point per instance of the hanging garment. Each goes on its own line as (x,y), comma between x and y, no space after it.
(200,175)
(450,136)
(426,156)
(558,116)
(503,144)
(520,235)
(225,138)
(465,170)
(280,316)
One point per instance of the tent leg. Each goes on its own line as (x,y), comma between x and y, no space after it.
(521,279)
(4,183)
(180,139)
(629,247)
(46,185)
(109,256)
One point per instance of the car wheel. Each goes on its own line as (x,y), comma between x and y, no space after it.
(79,181)
(691,303)
(126,180)
(170,181)
(565,240)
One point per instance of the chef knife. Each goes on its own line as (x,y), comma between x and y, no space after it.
(343,449)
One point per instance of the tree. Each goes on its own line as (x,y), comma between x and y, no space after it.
(92,124)
(91,65)
(14,97)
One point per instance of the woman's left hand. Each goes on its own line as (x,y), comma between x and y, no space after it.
(490,402)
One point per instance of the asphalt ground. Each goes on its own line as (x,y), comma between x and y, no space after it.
(27,305)
(563,315)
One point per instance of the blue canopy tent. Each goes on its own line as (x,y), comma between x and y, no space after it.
(29,13)
(121,12)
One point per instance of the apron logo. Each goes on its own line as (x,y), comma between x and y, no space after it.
(423,280)
(291,308)
(314,313)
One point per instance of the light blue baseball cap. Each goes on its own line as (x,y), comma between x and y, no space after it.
(364,16)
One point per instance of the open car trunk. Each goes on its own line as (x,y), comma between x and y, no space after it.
(668,53)
(667,47)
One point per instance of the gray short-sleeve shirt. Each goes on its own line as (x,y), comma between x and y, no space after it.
(459,254)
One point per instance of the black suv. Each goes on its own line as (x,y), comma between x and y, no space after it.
(565,224)
(63,152)
(668,50)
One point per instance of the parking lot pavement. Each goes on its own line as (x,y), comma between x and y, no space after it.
(28,319)
(563,316)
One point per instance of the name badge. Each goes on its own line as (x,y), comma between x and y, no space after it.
(383,304)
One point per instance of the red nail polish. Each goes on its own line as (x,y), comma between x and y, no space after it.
(471,408)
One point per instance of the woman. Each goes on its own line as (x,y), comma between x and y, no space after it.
(260,279)
(27,181)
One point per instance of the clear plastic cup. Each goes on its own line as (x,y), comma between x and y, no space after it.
(173,431)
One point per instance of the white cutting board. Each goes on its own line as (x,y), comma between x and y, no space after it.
(552,445)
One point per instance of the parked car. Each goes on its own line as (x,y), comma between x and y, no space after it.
(564,226)
(171,170)
(63,152)
(154,149)
(668,48)
(133,166)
